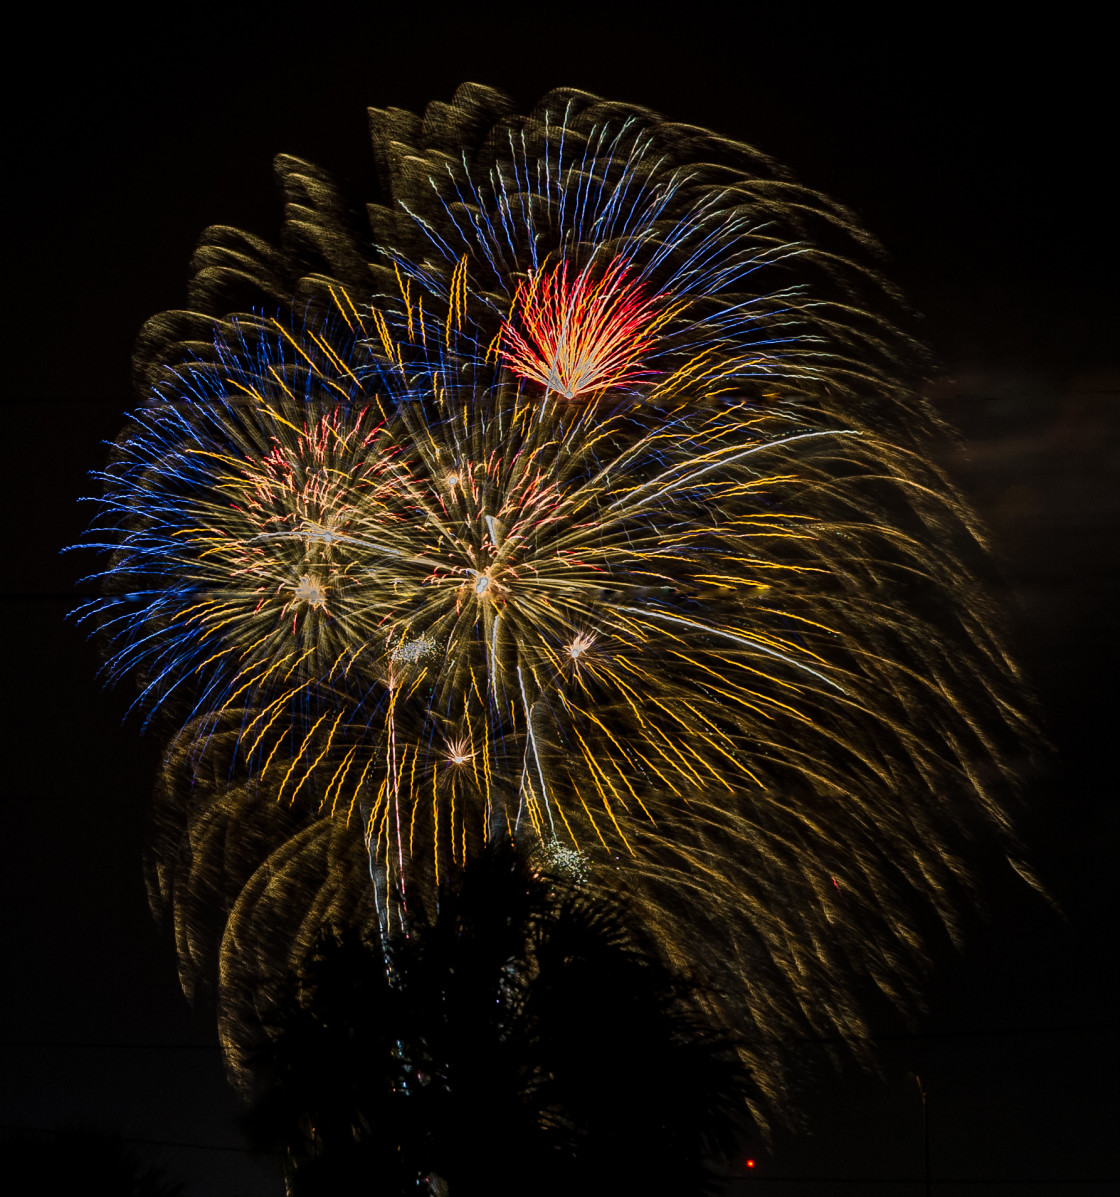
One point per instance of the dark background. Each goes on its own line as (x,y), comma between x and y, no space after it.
(978,148)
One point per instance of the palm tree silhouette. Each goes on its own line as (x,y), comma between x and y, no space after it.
(521,1038)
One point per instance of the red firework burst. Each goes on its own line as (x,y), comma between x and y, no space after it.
(580,334)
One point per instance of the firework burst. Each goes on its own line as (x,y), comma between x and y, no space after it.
(583,336)
(580,505)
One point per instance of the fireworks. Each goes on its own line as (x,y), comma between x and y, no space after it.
(584,336)
(581,506)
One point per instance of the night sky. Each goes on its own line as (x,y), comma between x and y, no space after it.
(980,154)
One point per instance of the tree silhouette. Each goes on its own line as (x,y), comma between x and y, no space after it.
(523,1039)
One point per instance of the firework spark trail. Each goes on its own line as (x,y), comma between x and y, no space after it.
(584,335)
(580,504)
